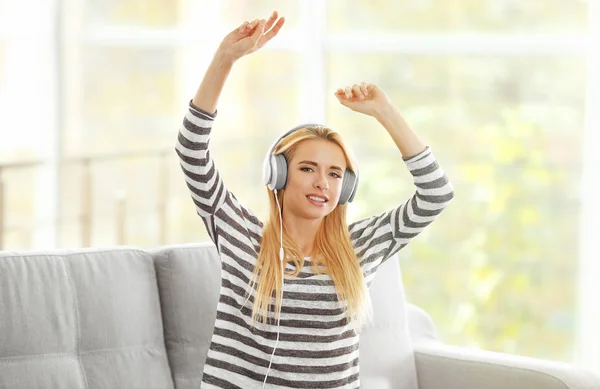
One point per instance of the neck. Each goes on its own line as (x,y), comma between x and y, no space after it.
(302,231)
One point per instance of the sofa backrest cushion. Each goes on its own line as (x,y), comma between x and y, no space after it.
(189,280)
(86,318)
(386,353)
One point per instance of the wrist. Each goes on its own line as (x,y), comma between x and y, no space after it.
(384,111)
(224,59)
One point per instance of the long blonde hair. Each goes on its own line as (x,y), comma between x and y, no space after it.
(334,253)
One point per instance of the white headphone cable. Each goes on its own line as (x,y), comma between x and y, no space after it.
(282,281)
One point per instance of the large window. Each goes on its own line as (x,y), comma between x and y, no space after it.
(91,101)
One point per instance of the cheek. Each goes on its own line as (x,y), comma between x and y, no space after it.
(296,186)
(291,180)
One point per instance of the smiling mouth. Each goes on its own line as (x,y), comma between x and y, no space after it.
(316,202)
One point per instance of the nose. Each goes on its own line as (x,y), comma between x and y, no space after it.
(322,183)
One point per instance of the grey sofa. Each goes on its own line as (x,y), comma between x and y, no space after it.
(125,317)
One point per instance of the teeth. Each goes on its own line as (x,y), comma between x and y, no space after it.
(316,199)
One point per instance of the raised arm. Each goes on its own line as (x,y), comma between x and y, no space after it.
(202,177)
(378,237)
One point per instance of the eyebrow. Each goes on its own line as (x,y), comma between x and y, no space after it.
(316,164)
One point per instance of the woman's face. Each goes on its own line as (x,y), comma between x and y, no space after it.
(315,169)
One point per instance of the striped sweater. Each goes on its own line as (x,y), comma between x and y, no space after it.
(316,348)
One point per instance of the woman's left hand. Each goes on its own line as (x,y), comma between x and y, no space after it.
(364,98)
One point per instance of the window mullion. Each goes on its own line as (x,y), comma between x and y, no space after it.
(312,61)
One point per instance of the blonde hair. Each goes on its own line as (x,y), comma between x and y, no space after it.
(334,253)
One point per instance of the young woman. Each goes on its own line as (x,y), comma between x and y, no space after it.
(294,291)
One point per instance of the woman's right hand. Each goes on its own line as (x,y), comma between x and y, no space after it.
(249,37)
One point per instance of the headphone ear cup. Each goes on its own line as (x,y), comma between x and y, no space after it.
(279,171)
(354,187)
(348,187)
(267,172)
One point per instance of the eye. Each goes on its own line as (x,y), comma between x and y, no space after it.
(309,168)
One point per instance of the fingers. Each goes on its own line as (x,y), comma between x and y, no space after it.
(271,21)
(246,27)
(348,92)
(273,31)
(343,93)
(258,32)
(355,91)
(363,88)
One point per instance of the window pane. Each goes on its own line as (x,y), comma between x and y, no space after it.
(496,270)
(15,84)
(126,115)
(2,64)
(131,105)
(23,48)
(5,146)
(459,15)
(115,201)
(129,100)
(150,13)
(4,12)
(18,186)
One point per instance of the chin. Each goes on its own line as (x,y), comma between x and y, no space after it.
(315,214)
(321,213)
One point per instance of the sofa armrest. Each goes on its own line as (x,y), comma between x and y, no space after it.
(420,325)
(441,366)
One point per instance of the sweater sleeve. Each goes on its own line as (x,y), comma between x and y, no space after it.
(215,204)
(379,237)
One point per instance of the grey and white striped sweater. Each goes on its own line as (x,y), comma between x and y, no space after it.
(316,348)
